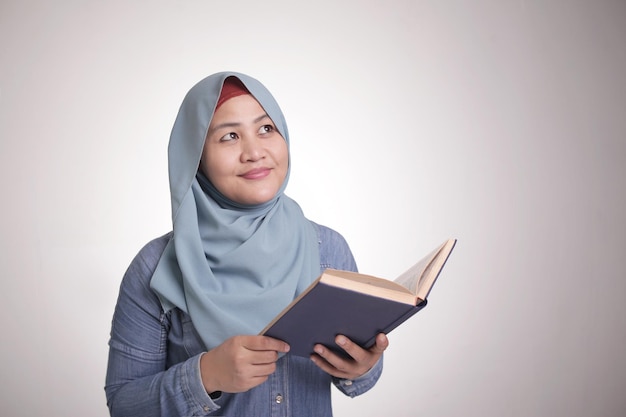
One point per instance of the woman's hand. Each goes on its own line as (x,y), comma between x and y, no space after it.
(360,360)
(240,363)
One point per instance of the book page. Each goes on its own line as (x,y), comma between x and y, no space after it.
(413,276)
(367,284)
(434,267)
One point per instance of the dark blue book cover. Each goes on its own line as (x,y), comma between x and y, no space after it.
(356,305)
(326,311)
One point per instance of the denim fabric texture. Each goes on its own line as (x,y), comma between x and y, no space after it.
(154,358)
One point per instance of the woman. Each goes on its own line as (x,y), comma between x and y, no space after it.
(184,338)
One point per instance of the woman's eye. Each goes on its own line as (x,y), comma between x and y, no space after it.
(266,129)
(229,136)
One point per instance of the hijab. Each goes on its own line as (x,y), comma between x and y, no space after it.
(232,267)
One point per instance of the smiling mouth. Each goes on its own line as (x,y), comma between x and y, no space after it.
(256,174)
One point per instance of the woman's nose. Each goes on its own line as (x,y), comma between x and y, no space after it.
(251,149)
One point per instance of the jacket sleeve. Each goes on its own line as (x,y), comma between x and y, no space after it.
(138,381)
(354,387)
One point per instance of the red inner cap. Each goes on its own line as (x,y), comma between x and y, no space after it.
(232,87)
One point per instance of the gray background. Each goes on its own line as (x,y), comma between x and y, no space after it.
(500,123)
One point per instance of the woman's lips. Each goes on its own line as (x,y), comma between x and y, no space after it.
(257,173)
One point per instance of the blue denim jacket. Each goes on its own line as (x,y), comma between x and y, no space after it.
(154,357)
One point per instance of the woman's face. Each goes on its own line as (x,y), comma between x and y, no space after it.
(244,156)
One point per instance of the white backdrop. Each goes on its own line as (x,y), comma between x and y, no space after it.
(501,123)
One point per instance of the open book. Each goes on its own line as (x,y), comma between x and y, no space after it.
(356,305)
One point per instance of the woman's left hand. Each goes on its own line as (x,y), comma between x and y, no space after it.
(360,361)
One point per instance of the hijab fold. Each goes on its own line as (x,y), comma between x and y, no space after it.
(231,267)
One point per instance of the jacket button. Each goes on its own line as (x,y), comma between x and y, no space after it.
(279,399)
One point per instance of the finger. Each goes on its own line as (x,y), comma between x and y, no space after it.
(265,343)
(335,361)
(263,371)
(326,367)
(355,351)
(382,343)
(263,357)
(329,362)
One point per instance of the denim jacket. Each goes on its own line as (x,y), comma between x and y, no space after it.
(154,357)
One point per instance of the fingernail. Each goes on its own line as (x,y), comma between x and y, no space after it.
(341,340)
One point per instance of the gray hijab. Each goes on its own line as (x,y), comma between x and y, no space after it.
(231,267)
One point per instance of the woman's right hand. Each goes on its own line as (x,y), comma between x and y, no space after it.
(240,363)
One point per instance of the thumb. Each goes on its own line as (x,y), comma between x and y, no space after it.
(381,343)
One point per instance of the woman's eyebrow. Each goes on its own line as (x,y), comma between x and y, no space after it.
(235,124)
(261,117)
(223,125)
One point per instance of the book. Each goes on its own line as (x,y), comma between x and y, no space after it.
(356,305)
